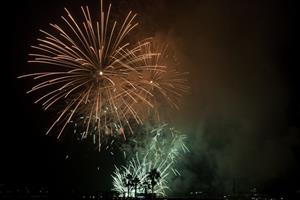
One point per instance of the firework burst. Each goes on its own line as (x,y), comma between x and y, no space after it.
(159,149)
(163,84)
(97,79)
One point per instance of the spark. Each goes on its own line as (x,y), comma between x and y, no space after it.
(160,150)
(97,80)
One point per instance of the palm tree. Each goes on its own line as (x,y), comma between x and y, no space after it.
(135,183)
(128,183)
(154,177)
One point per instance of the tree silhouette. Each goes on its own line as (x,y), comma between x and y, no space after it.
(154,177)
(135,183)
(128,183)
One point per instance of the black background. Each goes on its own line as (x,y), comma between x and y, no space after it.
(29,157)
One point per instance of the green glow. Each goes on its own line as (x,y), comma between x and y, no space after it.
(159,149)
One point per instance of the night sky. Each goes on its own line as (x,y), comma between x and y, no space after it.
(242,114)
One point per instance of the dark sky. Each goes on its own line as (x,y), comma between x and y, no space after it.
(242,114)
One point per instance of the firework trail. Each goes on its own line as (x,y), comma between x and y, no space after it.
(160,150)
(164,85)
(97,79)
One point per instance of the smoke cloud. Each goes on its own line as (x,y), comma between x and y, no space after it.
(237,115)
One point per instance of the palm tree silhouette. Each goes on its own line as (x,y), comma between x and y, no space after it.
(154,177)
(135,183)
(128,183)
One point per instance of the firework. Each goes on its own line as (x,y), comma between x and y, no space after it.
(159,149)
(97,79)
(163,85)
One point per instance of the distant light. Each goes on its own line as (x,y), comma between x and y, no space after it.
(101,73)
(151,81)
